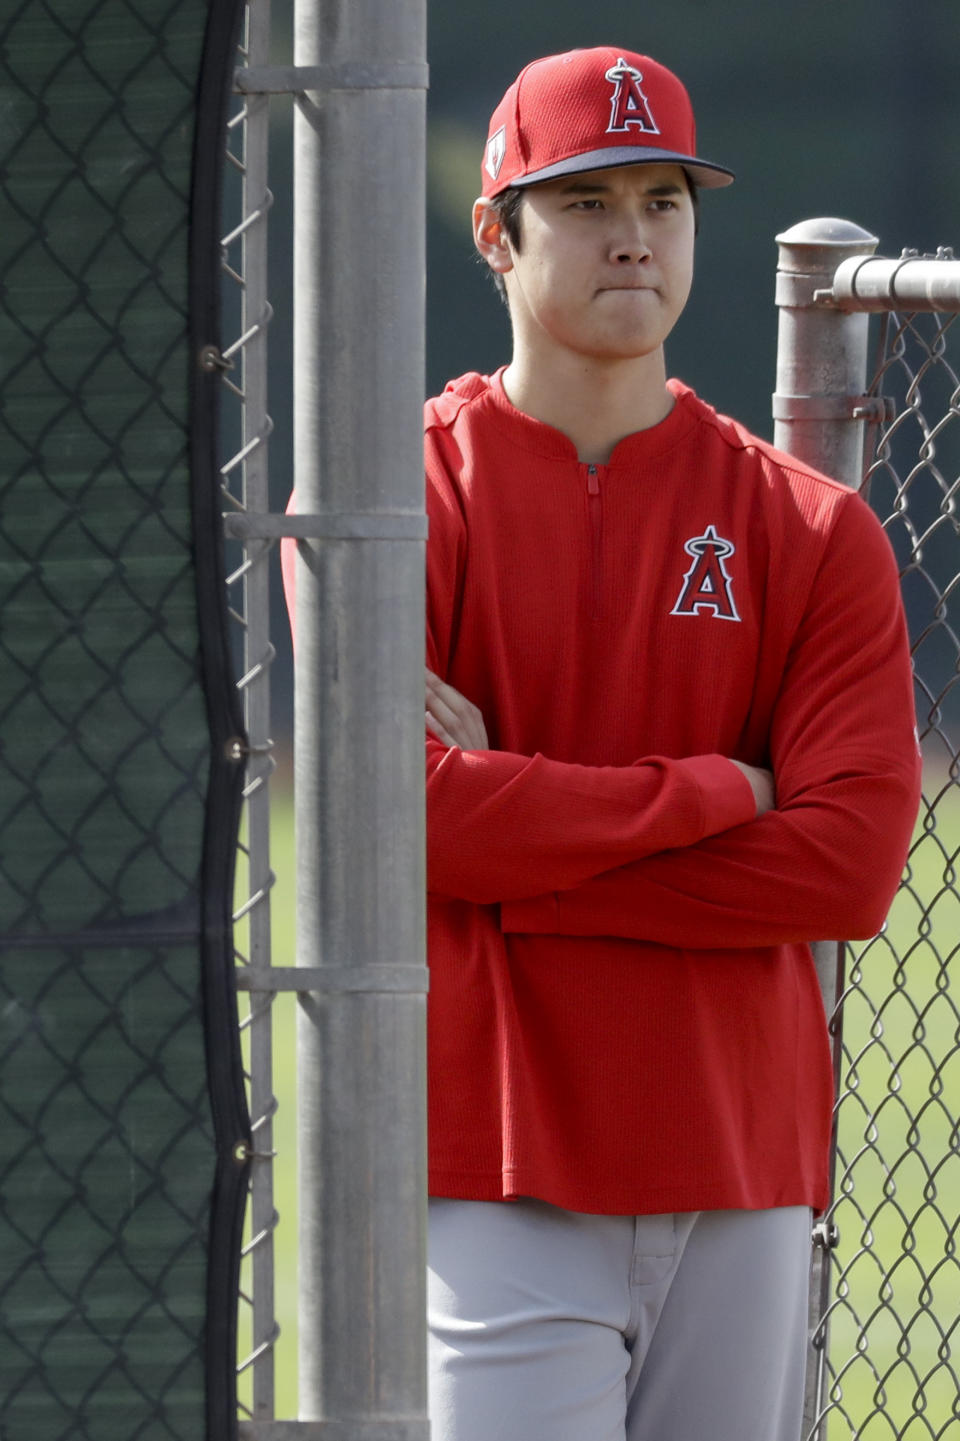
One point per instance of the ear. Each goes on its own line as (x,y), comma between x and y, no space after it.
(489,237)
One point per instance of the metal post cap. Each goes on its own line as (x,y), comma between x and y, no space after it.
(828,230)
(810,252)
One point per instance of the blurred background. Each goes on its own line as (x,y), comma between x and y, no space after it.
(838,107)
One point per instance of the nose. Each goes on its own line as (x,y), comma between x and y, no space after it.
(629,247)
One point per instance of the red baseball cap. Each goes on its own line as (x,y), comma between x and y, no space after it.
(587,110)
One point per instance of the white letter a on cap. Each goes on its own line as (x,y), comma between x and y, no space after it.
(628,105)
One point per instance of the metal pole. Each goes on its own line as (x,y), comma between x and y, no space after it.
(359,273)
(820,415)
(820,411)
(912,282)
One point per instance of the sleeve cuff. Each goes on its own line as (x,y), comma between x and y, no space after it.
(728,798)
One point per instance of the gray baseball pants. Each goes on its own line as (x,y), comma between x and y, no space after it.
(550,1325)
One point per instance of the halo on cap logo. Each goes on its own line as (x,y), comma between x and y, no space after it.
(628,104)
(496,149)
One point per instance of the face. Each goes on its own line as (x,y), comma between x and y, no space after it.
(605,262)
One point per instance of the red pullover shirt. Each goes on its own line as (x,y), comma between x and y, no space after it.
(624,1015)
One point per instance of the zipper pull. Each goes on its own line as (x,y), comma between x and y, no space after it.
(593,480)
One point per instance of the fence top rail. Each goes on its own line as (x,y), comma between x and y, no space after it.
(911,282)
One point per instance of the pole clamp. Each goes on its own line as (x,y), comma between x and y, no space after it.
(826,1235)
(878,409)
(386,1428)
(798,290)
(331,525)
(391,978)
(350,75)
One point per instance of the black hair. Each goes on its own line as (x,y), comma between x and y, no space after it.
(507,206)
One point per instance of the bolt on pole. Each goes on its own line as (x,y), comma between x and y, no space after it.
(359,267)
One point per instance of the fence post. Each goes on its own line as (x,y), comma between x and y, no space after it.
(820,416)
(819,409)
(359,272)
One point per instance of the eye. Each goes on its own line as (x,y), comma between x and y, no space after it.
(587,205)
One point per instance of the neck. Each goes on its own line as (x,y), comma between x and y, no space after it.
(596,403)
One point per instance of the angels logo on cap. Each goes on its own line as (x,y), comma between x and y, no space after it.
(628,105)
(559,117)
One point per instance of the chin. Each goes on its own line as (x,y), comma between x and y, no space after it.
(626,350)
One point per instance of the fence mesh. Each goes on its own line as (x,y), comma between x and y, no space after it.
(103,729)
(108,1164)
(892,1360)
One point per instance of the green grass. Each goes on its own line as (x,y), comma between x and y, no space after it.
(283,905)
(896,1282)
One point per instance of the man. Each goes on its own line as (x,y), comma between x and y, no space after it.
(670,743)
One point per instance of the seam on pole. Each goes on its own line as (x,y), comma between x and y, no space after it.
(332,525)
(389,978)
(351,75)
(796,289)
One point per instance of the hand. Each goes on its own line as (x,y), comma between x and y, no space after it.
(452,718)
(761,783)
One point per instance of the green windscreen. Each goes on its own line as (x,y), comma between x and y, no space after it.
(120,1096)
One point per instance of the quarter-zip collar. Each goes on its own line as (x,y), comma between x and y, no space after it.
(539,438)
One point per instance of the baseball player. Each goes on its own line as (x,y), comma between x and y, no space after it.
(670,743)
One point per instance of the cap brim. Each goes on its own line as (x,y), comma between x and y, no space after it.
(703,172)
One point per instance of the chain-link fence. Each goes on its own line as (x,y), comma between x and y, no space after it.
(886,1344)
(244,476)
(119,733)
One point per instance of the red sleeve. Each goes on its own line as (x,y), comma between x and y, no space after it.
(826,862)
(501,825)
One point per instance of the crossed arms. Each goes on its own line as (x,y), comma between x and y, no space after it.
(458,722)
(694,852)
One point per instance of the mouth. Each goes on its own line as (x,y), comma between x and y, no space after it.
(651,289)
